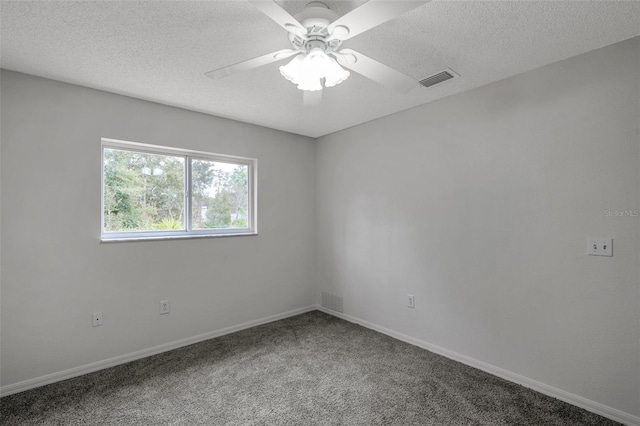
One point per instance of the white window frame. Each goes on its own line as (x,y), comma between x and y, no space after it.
(188,156)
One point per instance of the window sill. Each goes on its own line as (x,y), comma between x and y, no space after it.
(174,237)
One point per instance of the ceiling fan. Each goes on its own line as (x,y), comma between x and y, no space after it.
(316,35)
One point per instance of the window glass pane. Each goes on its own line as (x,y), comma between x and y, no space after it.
(142,191)
(220,195)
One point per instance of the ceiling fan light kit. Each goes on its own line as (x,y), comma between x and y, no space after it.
(307,70)
(316,35)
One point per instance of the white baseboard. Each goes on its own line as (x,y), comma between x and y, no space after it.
(121,359)
(595,407)
(587,404)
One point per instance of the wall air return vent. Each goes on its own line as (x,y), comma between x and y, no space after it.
(438,78)
(331,301)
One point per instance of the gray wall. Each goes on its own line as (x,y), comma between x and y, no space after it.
(55,273)
(480,205)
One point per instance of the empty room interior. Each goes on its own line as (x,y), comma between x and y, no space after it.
(342,212)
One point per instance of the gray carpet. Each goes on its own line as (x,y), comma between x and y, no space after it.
(312,369)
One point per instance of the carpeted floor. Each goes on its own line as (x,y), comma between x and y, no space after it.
(312,369)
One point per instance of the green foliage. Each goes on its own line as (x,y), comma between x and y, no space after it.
(168,223)
(219,211)
(231,202)
(142,190)
(146,192)
(225,200)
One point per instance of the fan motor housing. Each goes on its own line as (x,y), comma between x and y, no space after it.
(316,14)
(316,18)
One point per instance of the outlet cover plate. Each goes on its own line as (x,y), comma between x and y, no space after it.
(164,307)
(600,246)
(411,301)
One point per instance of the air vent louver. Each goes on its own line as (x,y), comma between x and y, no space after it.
(331,301)
(438,78)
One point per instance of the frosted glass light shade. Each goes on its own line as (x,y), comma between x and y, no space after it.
(317,62)
(307,70)
(309,83)
(293,69)
(335,74)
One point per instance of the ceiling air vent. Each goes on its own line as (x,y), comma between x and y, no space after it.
(439,77)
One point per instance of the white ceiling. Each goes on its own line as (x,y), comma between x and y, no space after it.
(160,50)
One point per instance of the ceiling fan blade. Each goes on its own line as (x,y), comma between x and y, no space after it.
(344,59)
(251,64)
(372,14)
(279,15)
(378,72)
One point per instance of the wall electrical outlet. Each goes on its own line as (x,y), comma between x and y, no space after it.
(164,307)
(600,246)
(96,318)
(411,301)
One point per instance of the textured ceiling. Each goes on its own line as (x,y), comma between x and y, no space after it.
(160,50)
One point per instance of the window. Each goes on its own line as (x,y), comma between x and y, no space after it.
(151,191)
